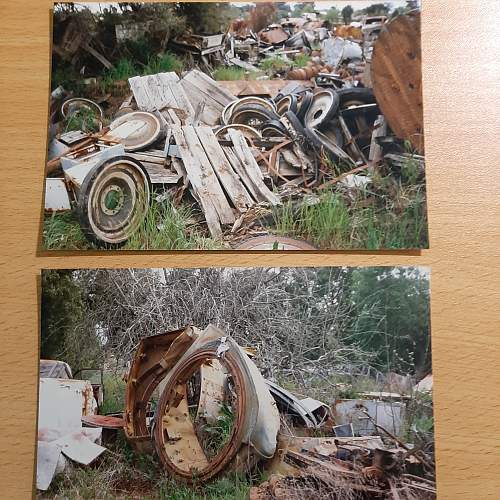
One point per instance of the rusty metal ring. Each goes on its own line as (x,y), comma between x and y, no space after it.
(245,417)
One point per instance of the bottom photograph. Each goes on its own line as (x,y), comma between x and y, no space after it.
(236,383)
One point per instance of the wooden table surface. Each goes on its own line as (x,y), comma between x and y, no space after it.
(461,71)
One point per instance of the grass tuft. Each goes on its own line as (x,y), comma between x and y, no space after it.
(229,73)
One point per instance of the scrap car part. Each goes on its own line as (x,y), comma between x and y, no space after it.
(236,104)
(113,200)
(323,107)
(305,102)
(254,115)
(135,130)
(246,130)
(273,128)
(288,103)
(174,359)
(75,104)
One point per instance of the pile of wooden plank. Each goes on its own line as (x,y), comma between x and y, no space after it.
(196,98)
(225,179)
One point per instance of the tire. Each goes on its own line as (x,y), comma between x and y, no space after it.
(323,108)
(359,95)
(304,105)
(253,115)
(113,201)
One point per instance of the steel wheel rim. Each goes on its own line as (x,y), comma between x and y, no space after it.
(116,224)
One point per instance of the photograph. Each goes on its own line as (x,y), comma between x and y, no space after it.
(235,126)
(236,383)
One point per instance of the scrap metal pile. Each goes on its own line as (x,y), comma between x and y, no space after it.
(197,400)
(241,148)
(205,381)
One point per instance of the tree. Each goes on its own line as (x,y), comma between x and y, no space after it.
(377,9)
(205,18)
(63,333)
(347,14)
(390,316)
(333,15)
(302,8)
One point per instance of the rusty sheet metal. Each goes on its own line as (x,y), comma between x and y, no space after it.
(396,73)
(61,404)
(104,421)
(154,357)
(274,35)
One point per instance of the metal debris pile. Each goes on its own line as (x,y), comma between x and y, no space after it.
(240,148)
(201,377)
(197,400)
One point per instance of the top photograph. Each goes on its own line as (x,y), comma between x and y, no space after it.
(270,126)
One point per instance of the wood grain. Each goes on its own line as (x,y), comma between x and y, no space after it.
(461,68)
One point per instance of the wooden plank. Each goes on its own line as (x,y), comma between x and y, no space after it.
(241,172)
(209,177)
(225,173)
(182,101)
(195,176)
(246,157)
(140,95)
(209,87)
(169,77)
(160,175)
(212,110)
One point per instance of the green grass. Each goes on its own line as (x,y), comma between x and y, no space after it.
(273,65)
(61,231)
(123,473)
(163,64)
(218,433)
(114,393)
(229,73)
(389,213)
(165,227)
(301,60)
(82,119)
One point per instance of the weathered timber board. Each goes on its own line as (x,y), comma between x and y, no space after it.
(225,173)
(209,177)
(196,178)
(160,175)
(162,92)
(212,110)
(244,154)
(209,87)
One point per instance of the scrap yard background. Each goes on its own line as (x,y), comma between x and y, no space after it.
(238,126)
(344,352)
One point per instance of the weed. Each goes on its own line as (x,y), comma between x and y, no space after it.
(163,63)
(301,60)
(218,433)
(168,227)
(229,73)
(273,65)
(390,213)
(83,119)
(114,393)
(62,231)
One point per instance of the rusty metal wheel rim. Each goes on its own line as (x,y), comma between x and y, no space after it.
(116,224)
(183,372)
